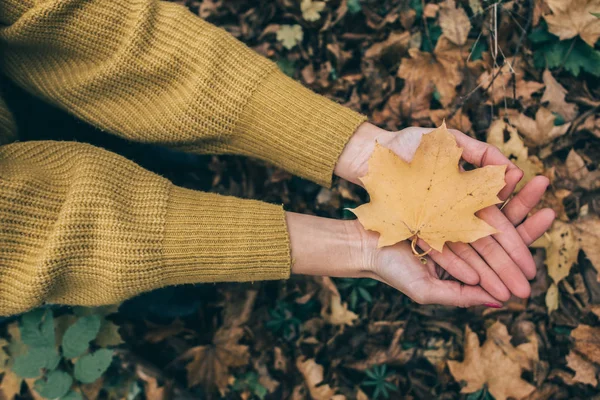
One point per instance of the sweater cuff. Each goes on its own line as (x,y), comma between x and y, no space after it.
(292,127)
(215,238)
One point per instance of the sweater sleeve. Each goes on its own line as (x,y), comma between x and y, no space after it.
(84,226)
(152,71)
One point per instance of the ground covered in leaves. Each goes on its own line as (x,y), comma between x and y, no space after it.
(522,75)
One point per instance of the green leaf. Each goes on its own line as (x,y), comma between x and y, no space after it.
(30,364)
(417,6)
(56,384)
(597,15)
(72,396)
(365,294)
(91,366)
(37,328)
(79,335)
(477,50)
(354,6)
(287,67)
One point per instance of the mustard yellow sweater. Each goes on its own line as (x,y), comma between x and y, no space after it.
(81,225)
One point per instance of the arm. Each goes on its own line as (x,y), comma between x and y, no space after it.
(152,71)
(83,226)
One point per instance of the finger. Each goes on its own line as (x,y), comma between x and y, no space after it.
(481,154)
(519,206)
(503,265)
(509,239)
(453,293)
(536,225)
(453,264)
(488,279)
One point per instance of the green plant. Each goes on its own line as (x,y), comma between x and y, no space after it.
(358,289)
(354,6)
(57,351)
(378,377)
(249,383)
(482,394)
(574,55)
(283,322)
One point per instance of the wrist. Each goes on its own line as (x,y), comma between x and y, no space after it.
(353,161)
(323,246)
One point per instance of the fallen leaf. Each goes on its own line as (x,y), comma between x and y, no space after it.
(507,81)
(429,197)
(454,22)
(425,73)
(561,250)
(458,121)
(496,364)
(575,17)
(539,131)
(290,35)
(587,232)
(552,298)
(554,95)
(585,371)
(393,355)
(313,377)
(515,150)
(209,365)
(311,10)
(10,385)
(576,166)
(587,341)
(157,333)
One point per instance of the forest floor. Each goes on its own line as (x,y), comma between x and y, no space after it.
(522,75)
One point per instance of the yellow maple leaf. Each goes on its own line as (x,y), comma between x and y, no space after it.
(313,376)
(497,364)
(538,131)
(429,197)
(575,17)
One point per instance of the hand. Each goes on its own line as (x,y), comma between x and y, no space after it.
(502,263)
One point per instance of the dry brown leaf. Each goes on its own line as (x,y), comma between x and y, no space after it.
(459,120)
(454,22)
(554,95)
(496,364)
(429,197)
(585,371)
(587,232)
(360,395)
(576,166)
(574,17)
(424,72)
(209,365)
(396,42)
(332,309)
(539,131)
(10,385)
(587,341)
(515,150)
(158,333)
(507,81)
(313,377)
(393,355)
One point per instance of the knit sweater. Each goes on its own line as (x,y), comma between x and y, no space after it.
(80,225)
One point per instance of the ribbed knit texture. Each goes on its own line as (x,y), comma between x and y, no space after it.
(80,225)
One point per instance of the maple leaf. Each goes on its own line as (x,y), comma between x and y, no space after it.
(587,341)
(333,310)
(515,150)
(311,10)
(454,22)
(575,17)
(587,232)
(209,365)
(554,95)
(585,371)
(496,364)
(540,131)
(499,83)
(429,197)
(313,376)
(425,73)
(290,35)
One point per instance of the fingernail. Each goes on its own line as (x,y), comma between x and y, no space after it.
(493,305)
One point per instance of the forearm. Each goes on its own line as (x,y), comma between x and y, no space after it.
(323,246)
